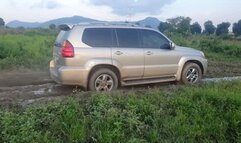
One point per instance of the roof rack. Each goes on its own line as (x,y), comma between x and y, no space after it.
(67,27)
(111,24)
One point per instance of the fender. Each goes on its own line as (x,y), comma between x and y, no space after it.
(186,59)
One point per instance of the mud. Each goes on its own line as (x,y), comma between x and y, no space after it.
(23,77)
(26,87)
(223,69)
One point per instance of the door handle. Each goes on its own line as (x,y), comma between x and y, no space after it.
(149,53)
(118,53)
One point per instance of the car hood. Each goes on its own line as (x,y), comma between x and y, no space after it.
(189,51)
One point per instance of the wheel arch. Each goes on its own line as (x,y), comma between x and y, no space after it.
(182,64)
(107,66)
(196,62)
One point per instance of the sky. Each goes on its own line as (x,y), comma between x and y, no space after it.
(131,10)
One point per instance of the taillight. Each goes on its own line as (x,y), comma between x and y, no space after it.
(67,50)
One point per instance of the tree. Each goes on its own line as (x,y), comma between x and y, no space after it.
(222,28)
(2,23)
(184,25)
(196,28)
(209,28)
(237,28)
(180,24)
(164,26)
(52,26)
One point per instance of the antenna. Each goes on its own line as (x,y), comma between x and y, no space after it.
(129,10)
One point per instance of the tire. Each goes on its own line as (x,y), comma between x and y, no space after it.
(191,74)
(103,80)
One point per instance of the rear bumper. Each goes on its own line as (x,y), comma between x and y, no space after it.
(67,75)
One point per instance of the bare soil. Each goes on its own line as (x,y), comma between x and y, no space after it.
(223,69)
(27,86)
(23,77)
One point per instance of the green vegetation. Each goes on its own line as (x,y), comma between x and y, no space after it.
(206,113)
(215,48)
(237,28)
(183,26)
(2,23)
(26,48)
(222,29)
(33,48)
(209,28)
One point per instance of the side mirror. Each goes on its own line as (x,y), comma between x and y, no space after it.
(172,46)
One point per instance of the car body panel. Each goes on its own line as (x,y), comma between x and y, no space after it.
(130,62)
(161,62)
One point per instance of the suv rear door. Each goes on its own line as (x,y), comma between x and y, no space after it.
(57,55)
(160,60)
(129,55)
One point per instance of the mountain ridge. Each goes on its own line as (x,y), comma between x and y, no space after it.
(149,21)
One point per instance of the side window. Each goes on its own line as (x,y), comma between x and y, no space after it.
(128,38)
(98,37)
(154,40)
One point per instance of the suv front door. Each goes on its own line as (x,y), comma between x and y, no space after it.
(128,55)
(160,59)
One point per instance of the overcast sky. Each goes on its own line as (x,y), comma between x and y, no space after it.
(43,10)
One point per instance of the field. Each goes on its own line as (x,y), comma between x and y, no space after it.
(32,49)
(172,113)
(206,113)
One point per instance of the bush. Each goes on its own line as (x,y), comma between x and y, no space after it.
(25,50)
(214,47)
(208,113)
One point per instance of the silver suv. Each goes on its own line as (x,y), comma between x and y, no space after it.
(101,57)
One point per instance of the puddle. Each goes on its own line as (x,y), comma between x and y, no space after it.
(31,93)
(221,79)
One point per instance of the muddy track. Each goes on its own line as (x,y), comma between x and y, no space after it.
(25,87)
(29,94)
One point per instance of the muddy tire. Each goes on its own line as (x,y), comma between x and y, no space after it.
(191,74)
(103,80)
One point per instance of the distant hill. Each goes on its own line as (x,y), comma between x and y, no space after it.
(16,23)
(70,20)
(149,21)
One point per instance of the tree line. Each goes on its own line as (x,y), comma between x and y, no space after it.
(183,25)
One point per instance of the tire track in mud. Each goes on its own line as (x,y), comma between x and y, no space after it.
(49,91)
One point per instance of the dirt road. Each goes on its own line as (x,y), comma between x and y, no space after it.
(27,86)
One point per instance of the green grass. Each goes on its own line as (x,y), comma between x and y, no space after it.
(33,48)
(30,49)
(206,113)
(215,48)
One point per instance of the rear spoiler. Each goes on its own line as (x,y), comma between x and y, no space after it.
(66,27)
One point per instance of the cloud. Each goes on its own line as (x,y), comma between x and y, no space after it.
(49,4)
(127,7)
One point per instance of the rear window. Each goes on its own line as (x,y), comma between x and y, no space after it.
(98,37)
(128,38)
(62,36)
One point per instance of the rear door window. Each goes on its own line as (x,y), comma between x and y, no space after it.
(128,38)
(154,40)
(98,37)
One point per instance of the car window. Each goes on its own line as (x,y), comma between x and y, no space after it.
(152,39)
(128,38)
(98,37)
